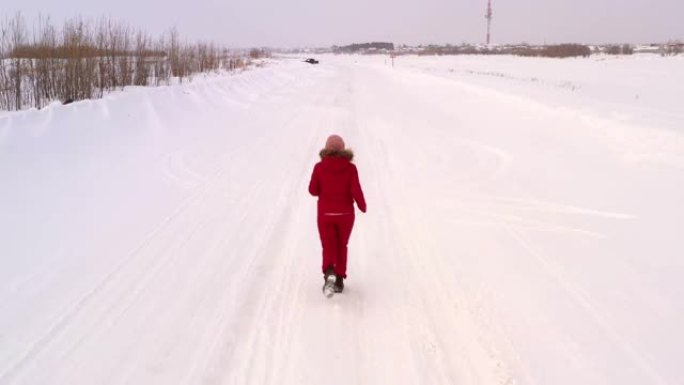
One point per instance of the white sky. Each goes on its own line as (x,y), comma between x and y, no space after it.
(290,23)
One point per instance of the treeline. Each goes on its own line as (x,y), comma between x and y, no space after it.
(354,48)
(85,59)
(673,48)
(448,49)
(624,49)
(554,51)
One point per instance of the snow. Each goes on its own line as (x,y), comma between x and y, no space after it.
(523,227)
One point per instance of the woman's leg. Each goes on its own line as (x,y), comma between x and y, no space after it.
(345,223)
(327,230)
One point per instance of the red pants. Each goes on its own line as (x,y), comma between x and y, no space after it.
(334,231)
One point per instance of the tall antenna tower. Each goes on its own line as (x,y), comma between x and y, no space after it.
(488,16)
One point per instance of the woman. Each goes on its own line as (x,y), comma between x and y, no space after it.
(335,181)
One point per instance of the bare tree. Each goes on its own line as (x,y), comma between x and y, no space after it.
(17,39)
(4,76)
(47,64)
(161,67)
(125,70)
(174,54)
(142,72)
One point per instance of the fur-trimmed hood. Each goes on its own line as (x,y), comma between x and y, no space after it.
(346,153)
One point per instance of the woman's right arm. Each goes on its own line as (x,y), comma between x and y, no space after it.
(314,189)
(357,192)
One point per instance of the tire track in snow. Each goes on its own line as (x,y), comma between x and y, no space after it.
(271,308)
(447,354)
(494,211)
(63,320)
(60,322)
(176,170)
(583,299)
(449,345)
(280,310)
(247,259)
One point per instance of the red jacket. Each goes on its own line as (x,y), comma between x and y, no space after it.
(335,181)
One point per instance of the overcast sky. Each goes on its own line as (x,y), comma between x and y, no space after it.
(293,23)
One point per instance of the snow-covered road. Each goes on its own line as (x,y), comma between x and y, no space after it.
(165,236)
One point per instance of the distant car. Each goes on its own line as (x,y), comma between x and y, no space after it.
(311,61)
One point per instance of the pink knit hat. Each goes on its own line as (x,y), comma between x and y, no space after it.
(334,143)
